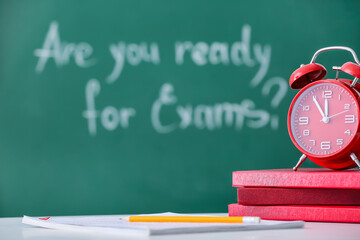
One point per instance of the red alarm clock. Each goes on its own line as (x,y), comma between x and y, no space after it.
(323,119)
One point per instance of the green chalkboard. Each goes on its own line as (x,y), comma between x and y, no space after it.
(110,107)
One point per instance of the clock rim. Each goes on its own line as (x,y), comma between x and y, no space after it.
(351,144)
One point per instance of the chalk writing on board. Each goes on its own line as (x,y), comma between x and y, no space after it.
(111,117)
(237,115)
(62,52)
(202,117)
(239,53)
(281,92)
(209,117)
(133,54)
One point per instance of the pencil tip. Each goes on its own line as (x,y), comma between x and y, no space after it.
(251,219)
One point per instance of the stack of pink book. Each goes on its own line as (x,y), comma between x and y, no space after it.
(307,194)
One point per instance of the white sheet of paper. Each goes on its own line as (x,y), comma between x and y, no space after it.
(114,225)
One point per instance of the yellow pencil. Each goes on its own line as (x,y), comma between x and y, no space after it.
(192,219)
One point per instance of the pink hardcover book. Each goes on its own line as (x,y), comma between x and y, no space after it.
(303,178)
(348,214)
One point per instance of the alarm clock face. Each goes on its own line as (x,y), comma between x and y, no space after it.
(323,118)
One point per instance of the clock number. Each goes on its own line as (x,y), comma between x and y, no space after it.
(349,118)
(327,94)
(346,106)
(306,132)
(306,108)
(347,132)
(303,121)
(325,145)
(340,141)
(313,141)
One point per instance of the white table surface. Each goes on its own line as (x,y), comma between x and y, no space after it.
(13,229)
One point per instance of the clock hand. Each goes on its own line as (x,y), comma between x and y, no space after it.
(326,108)
(327,118)
(318,107)
(338,113)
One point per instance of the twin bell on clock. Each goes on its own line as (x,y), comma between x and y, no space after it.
(323,119)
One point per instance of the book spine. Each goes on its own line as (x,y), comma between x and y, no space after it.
(300,179)
(298,196)
(306,213)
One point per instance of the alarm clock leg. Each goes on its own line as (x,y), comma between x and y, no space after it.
(353,85)
(355,159)
(301,160)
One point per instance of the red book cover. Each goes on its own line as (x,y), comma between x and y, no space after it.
(346,214)
(298,196)
(303,178)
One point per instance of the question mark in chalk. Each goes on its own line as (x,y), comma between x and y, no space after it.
(281,92)
(279,96)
